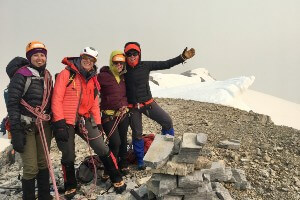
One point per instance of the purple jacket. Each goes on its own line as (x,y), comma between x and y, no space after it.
(112,93)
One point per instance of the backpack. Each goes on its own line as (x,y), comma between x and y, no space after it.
(27,84)
(85,172)
(148,139)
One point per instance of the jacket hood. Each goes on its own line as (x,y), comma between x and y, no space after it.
(112,67)
(15,64)
(74,64)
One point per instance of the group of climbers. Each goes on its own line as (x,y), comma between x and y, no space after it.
(73,106)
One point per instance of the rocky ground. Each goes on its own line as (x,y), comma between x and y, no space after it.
(269,154)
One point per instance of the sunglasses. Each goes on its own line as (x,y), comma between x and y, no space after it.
(86,57)
(118,62)
(132,53)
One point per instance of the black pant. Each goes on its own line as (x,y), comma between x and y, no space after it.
(154,112)
(118,139)
(68,148)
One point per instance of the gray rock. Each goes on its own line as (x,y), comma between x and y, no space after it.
(174,168)
(192,180)
(189,142)
(201,139)
(217,171)
(159,152)
(230,144)
(221,191)
(240,177)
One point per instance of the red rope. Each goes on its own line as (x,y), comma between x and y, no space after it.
(39,112)
(84,132)
(112,130)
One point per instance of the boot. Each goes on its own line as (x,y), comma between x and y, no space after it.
(115,176)
(43,185)
(104,176)
(138,148)
(28,188)
(123,165)
(169,132)
(70,181)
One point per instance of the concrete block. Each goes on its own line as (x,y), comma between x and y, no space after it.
(167,183)
(192,180)
(240,178)
(155,186)
(159,152)
(189,142)
(173,168)
(217,171)
(202,163)
(201,139)
(185,158)
(230,144)
(221,191)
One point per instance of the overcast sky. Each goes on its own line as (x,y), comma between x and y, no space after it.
(231,38)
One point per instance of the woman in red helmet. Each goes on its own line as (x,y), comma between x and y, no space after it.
(28,96)
(139,95)
(75,99)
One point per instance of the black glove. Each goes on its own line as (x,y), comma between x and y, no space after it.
(100,128)
(18,140)
(60,130)
(187,54)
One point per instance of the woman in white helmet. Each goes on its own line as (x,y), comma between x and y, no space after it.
(75,98)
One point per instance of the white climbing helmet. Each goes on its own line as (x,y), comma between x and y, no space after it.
(90,51)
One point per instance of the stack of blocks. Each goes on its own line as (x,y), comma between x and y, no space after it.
(179,172)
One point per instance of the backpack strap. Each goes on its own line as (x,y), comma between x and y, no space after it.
(27,84)
(71,76)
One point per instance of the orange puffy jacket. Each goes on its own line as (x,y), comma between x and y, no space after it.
(80,97)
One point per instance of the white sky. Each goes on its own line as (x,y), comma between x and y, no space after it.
(232,38)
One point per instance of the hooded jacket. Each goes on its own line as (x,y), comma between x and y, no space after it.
(113,89)
(33,95)
(80,97)
(137,78)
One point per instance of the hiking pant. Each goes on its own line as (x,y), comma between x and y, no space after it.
(118,139)
(33,158)
(68,148)
(154,112)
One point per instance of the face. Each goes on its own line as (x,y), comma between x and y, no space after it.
(87,62)
(38,59)
(132,55)
(119,65)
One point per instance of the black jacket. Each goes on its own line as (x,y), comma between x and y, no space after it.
(33,96)
(137,78)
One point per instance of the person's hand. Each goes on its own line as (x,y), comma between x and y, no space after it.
(18,141)
(60,131)
(123,109)
(100,128)
(187,54)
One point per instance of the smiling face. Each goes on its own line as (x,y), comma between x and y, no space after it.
(38,59)
(87,62)
(132,55)
(119,65)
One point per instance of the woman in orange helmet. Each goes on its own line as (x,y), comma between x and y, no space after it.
(28,104)
(114,108)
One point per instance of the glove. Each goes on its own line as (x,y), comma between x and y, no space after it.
(187,54)
(60,131)
(100,128)
(18,141)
